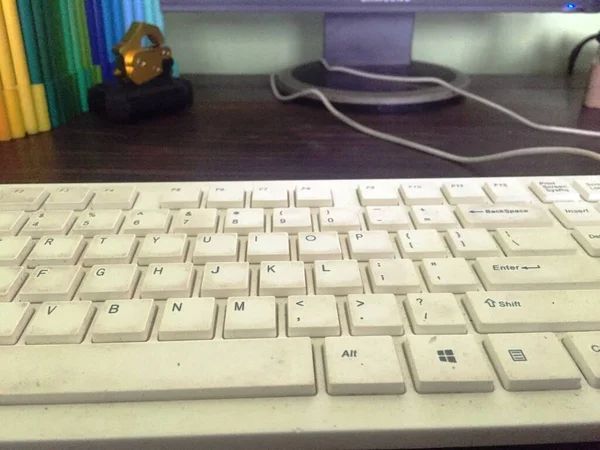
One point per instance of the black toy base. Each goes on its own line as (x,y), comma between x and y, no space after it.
(127,102)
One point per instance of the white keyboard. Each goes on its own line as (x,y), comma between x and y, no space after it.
(343,314)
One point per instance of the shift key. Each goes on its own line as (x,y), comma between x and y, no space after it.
(538,273)
(533,311)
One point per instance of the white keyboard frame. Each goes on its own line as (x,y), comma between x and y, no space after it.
(383,421)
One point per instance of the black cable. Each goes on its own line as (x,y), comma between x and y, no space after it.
(575,52)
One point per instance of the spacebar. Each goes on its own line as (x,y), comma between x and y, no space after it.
(91,373)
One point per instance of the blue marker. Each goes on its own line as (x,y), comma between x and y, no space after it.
(158,15)
(108,33)
(149,12)
(127,14)
(92,31)
(138,10)
(117,15)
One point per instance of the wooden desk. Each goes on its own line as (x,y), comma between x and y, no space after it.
(237,131)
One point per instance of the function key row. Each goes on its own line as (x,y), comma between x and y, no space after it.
(123,197)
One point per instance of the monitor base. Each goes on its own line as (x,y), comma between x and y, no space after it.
(350,90)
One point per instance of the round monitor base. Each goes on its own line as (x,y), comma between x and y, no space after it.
(351,90)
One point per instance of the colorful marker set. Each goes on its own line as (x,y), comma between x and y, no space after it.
(53,51)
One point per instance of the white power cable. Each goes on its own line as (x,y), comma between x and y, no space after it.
(314,92)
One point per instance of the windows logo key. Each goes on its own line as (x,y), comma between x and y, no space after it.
(446,356)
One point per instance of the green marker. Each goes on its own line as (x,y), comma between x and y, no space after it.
(70,54)
(76,55)
(60,47)
(40,101)
(39,19)
(84,46)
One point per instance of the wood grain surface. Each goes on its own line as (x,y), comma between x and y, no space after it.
(237,131)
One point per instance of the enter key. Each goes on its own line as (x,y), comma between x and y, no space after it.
(538,273)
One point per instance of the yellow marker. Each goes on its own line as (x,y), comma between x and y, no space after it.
(17,50)
(4,127)
(41,107)
(7,75)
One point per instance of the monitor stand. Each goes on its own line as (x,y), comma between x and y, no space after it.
(374,42)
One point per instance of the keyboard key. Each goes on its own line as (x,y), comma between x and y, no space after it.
(589,239)
(222,280)
(576,214)
(11,279)
(13,319)
(14,250)
(313,196)
(164,281)
(362,365)
(365,245)
(187,319)
(498,216)
(11,222)
(282,278)
(387,218)
(421,194)
(472,243)
(162,248)
(507,191)
(23,199)
(226,197)
(314,246)
(245,221)
(377,195)
(142,223)
(435,314)
(339,219)
(115,197)
(269,197)
(60,323)
(195,221)
(144,371)
(393,276)
(550,191)
(419,244)
(268,247)
(585,350)
(449,275)
(434,217)
(51,284)
(538,273)
(76,198)
(56,251)
(292,220)
(338,277)
(532,362)
(312,316)
(374,315)
(536,241)
(464,192)
(110,249)
(181,197)
(48,222)
(92,223)
(445,364)
(588,188)
(109,282)
(531,311)
(124,321)
(221,247)
(250,317)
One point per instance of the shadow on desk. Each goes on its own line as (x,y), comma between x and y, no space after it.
(237,131)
